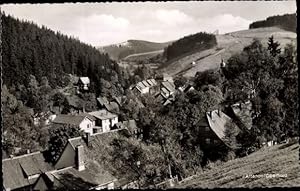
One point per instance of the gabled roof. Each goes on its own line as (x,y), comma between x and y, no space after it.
(146,84)
(95,172)
(111,106)
(71,119)
(130,125)
(140,86)
(16,170)
(169,86)
(103,114)
(153,81)
(150,82)
(102,100)
(118,99)
(217,120)
(85,80)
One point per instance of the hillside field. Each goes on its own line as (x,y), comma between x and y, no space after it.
(228,45)
(282,159)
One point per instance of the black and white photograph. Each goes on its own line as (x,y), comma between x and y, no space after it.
(149,95)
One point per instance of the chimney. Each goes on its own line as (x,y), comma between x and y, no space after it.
(219,112)
(80,158)
(88,138)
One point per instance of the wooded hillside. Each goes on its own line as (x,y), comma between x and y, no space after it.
(287,22)
(190,44)
(30,49)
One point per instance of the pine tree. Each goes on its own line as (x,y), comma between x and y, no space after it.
(273,47)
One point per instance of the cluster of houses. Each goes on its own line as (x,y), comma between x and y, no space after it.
(78,167)
(162,88)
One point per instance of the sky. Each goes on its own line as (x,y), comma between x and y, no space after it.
(100,24)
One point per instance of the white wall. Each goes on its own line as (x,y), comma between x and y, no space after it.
(84,125)
(114,121)
(105,125)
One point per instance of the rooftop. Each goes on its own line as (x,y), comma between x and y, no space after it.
(16,170)
(217,120)
(72,119)
(85,80)
(103,114)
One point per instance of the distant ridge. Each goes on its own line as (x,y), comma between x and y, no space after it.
(121,50)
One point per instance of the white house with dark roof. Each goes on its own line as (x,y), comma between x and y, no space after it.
(22,172)
(84,121)
(105,120)
(83,83)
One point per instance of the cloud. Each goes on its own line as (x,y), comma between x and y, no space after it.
(224,23)
(173,17)
(107,22)
(100,28)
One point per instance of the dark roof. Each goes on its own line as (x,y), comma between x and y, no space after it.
(130,125)
(103,114)
(16,170)
(118,99)
(95,173)
(217,120)
(111,106)
(71,119)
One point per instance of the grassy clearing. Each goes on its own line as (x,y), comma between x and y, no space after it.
(279,159)
(228,45)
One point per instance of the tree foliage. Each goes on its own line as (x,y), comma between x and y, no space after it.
(186,45)
(59,135)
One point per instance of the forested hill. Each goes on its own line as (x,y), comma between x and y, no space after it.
(122,50)
(30,49)
(190,44)
(287,22)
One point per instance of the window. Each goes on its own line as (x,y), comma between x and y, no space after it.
(88,126)
(207,140)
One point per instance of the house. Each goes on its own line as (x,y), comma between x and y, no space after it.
(186,88)
(141,88)
(167,88)
(75,104)
(131,126)
(22,172)
(85,122)
(145,86)
(105,120)
(80,167)
(163,99)
(212,130)
(83,83)
(102,100)
(165,78)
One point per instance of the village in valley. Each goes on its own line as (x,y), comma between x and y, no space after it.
(87,122)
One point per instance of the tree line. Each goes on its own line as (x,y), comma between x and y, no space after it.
(287,22)
(189,44)
(266,76)
(31,49)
